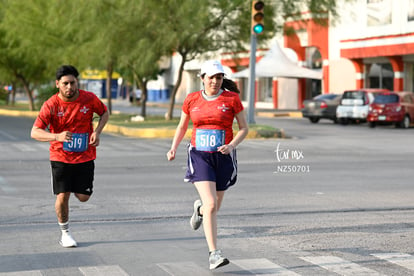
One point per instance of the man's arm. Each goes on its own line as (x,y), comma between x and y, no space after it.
(102,122)
(95,135)
(42,135)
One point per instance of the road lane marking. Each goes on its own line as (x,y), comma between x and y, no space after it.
(259,266)
(183,268)
(401,259)
(110,270)
(263,267)
(22,273)
(5,134)
(24,147)
(340,266)
(5,187)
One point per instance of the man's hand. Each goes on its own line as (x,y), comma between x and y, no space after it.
(65,136)
(94,141)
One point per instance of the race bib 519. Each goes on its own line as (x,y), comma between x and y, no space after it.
(79,143)
(209,139)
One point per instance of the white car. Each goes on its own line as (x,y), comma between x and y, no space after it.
(354,105)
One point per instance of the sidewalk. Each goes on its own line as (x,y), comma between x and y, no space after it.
(123,106)
(260,111)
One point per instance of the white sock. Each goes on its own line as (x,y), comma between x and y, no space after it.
(64,227)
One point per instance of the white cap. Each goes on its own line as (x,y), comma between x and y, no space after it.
(211,67)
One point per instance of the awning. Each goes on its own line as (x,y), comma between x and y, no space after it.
(276,64)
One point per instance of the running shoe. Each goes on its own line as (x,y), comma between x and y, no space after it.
(196,218)
(216,260)
(67,241)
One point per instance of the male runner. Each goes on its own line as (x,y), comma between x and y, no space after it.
(65,120)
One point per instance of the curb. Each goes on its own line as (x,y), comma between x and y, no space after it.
(149,132)
(169,133)
(17,113)
(293,114)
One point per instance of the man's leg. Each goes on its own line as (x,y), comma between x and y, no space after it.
(82,197)
(62,213)
(83,182)
(62,207)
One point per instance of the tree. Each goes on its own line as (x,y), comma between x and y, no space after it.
(113,34)
(197,28)
(144,47)
(38,36)
(20,57)
(5,72)
(94,30)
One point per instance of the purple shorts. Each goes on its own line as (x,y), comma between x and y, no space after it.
(211,166)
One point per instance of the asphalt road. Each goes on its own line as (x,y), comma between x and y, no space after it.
(331,200)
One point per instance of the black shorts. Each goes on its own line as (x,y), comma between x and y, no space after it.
(74,178)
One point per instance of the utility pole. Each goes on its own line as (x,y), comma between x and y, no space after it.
(256,29)
(252,81)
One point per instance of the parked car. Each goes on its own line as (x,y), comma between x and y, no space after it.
(137,95)
(354,105)
(321,107)
(392,108)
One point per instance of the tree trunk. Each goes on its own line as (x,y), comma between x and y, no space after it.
(144,94)
(144,102)
(169,115)
(13,94)
(29,92)
(142,84)
(109,71)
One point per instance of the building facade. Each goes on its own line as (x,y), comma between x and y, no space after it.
(370,44)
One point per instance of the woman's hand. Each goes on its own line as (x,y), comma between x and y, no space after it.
(225,149)
(171,155)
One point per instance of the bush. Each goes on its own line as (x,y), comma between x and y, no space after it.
(3,96)
(45,93)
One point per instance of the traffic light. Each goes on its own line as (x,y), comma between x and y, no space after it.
(257,17)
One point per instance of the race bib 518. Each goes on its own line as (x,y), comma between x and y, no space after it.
(79,143)
(209,139)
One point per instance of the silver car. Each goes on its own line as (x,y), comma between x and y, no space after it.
(354,105)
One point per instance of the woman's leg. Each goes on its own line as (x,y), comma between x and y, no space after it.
(208,195)
(220,196)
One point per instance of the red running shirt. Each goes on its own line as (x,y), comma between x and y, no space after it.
(215,114)
(75,117)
